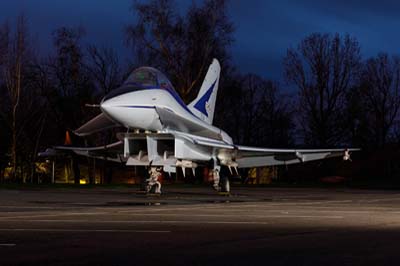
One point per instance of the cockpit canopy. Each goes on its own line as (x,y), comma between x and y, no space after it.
(148,76)
(142,78)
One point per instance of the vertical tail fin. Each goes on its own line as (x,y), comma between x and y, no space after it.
(204,104)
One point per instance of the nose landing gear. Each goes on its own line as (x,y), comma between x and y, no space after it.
(152,183)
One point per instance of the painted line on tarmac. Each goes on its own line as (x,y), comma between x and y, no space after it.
(7,245)
(260,209)
(7,218)
(83,230)
(176,221)
(171,209)
(378,200)
(232,206)
(360,207)
(269,213)
(284,215)
(188,208)
(143,214)
(144,222)
(229,208)
(309,203)
(27,207)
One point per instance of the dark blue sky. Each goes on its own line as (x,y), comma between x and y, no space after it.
(264,29)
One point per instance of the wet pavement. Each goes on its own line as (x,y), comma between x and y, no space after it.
(195,226)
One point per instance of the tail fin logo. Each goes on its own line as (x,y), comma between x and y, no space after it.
(203,104)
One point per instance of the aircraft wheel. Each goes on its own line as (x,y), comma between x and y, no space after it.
(225,184)
(151,189)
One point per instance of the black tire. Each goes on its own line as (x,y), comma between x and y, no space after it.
(225,184)
(153,189)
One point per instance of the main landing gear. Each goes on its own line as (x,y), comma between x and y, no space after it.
(221,183)
(152,183)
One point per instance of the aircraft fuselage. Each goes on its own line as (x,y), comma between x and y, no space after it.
(138,110)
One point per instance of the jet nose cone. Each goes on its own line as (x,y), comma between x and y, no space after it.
(107,106)
(107,103)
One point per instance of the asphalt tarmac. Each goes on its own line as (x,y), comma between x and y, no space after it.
(194,226)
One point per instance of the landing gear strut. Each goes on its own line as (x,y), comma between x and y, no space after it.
(152,181)
(221,183)
(216,177)
(225,185)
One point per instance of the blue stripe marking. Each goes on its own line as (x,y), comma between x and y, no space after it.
(146,107)
(201,104)
(179,100)
(139,106)
(168,89)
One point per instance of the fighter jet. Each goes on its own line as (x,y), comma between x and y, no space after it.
(164,133)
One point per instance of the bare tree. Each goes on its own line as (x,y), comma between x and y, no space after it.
(72,85)
(15,50)
(323,68)
(4,42)
(181,46)
(107,74)
(278,113)
(68,61)
(104,68)
(37,131)
(357,119)
(256,112)
(381,94)
(4,127)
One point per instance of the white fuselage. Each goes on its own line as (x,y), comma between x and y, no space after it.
(137,110)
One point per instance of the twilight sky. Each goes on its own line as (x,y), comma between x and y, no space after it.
(264,28)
